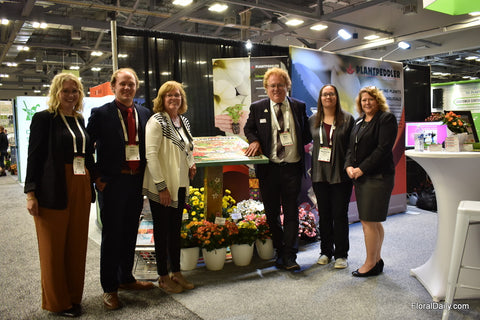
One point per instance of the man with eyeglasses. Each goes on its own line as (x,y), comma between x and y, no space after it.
(277,127)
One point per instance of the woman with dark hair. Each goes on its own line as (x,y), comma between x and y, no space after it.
(59,192)
(370,165)
(330,128)
(168,147)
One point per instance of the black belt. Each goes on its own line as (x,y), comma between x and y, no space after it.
(283,164)
(130,172)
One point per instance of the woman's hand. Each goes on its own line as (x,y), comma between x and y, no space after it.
(192,171)
(354,173)
(165,198)
(100,184)
(350,172)
(32,204)
(357,173)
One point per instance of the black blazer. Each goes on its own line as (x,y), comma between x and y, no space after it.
(371,147)
(259,127)
(105,130)
(46,165)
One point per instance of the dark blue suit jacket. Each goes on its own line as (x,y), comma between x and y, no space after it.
(106,132)
(259,127)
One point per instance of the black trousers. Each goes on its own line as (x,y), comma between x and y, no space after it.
(121,203)
(167,222)
(280,185)
(332,203)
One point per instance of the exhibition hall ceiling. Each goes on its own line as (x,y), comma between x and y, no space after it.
(64,33)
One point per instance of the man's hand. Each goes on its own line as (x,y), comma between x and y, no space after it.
(253,149)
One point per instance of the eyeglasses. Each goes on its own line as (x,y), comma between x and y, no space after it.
(329,94)
(273,86)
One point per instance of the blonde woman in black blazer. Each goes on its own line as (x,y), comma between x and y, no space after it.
(370,164)
(59,192)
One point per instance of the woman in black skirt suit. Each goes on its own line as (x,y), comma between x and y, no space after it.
(370,164)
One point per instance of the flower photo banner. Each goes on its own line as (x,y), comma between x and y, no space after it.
(237,82)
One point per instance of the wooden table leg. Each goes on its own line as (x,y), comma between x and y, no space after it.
(213,184)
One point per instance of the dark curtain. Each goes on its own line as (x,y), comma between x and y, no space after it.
(158,57)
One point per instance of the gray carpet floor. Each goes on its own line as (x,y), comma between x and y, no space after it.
(258,291)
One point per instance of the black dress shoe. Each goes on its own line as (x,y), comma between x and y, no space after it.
(73,312)
(291,265)
(375,271)
(380,265)
(279,263)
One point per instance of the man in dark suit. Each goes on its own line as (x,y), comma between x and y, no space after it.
(278,127)
(118,131)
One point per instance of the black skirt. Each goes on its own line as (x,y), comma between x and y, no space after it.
(373,196)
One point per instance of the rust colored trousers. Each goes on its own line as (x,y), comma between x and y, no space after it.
(62,244)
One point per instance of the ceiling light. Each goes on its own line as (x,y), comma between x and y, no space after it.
(11,64)
(74,67)
(466,77)
(96,69)
(372,37)
(471,58)
(4,75)
(122,55)
(166,73)
(344,34)
(36,91)
(248,44)
(96,53)
(318,27)
(341,34)
(217,7)
(23,48)
(41,25)
(403,45)
(182,3)
(5,21)
(294,22)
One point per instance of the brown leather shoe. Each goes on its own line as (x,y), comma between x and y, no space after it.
(137,285)
(178,278)
(169,286)
(110,301)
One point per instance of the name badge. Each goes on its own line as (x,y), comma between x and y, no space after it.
(79,166)
(324,154)
(132,152)
(286,139)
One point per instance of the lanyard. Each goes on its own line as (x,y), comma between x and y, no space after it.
(73,134)
(320,133)
(125,129)
(286,115)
